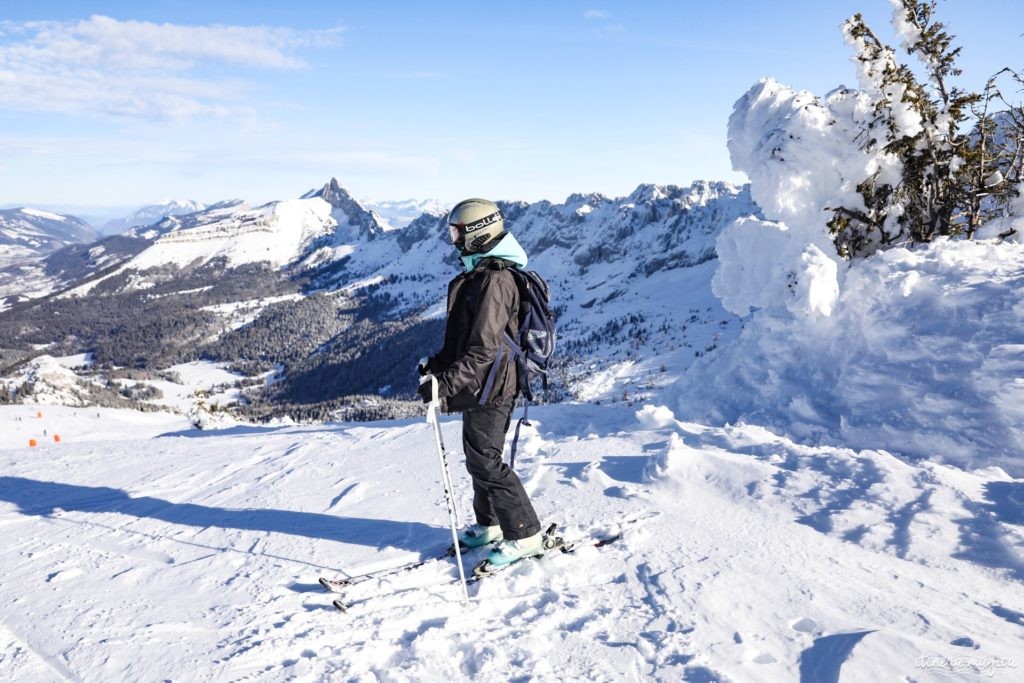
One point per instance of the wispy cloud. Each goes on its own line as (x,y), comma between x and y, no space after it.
(140,69)
(603,26)
(287,151)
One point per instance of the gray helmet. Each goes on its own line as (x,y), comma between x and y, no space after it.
(472,223)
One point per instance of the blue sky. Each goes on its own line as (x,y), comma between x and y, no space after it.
(119,104)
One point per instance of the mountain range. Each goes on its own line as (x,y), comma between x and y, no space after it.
(339,301)
(153,213)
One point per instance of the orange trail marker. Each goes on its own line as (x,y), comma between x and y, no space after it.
(56,438)
(32,443)
(39,414)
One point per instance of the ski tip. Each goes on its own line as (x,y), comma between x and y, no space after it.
(607,541)
(340,606)
(333,585)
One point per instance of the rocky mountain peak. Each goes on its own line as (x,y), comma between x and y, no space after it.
(332,193)
(349,213)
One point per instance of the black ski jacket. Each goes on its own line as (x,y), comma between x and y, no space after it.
(483,306)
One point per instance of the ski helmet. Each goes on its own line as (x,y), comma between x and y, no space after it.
(473,223)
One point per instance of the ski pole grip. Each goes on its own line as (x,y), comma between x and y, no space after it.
(435,402)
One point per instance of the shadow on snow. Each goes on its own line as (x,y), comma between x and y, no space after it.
(984,538)
(42,498)
(822,662)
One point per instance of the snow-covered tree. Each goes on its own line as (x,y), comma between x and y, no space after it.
(940,151)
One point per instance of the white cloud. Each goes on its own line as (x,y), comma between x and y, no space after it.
(137,68)
(601,14)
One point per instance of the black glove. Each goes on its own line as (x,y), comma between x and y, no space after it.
(423,367)
(424,390)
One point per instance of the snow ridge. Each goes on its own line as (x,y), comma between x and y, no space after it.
(153,213)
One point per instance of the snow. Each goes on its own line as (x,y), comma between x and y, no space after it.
(921,356)
(138,549)
(276,233)
(398,214)
(44,214)
(197,385)
(204,373)
(913,351)
(798,276)
(77,425)
(28,235)
(52,380)
(240,313)
(876,64)
(827,487)
(76,361)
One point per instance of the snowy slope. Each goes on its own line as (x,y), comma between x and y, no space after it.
(139,550)
(326,222)
(923,355)
(30,233)
(277,232)
(27,238)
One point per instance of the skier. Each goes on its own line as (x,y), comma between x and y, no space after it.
(483,304)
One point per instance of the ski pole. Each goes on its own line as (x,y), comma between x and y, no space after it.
(446,481)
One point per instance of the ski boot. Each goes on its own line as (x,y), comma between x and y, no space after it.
(476,536)
(510,551)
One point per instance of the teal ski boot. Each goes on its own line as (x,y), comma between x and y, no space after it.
(478,535)
(510,551)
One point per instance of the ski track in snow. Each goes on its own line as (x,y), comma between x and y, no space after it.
(194,556)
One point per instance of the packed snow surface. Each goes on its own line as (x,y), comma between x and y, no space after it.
(139,549)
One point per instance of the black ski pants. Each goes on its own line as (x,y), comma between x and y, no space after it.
(498,496)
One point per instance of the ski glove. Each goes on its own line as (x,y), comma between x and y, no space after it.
(424,391)
(423,367)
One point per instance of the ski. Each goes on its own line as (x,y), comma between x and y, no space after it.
(557,543)
(339,584)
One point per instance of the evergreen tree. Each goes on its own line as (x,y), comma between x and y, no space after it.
(937,154)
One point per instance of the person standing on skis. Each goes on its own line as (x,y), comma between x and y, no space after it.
(483,306)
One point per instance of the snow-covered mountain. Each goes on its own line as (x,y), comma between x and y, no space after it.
(614,264)
(276,233)
(29,233)
(630,277)
(327,222)
(152,213)
(354,220)
(400,213)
